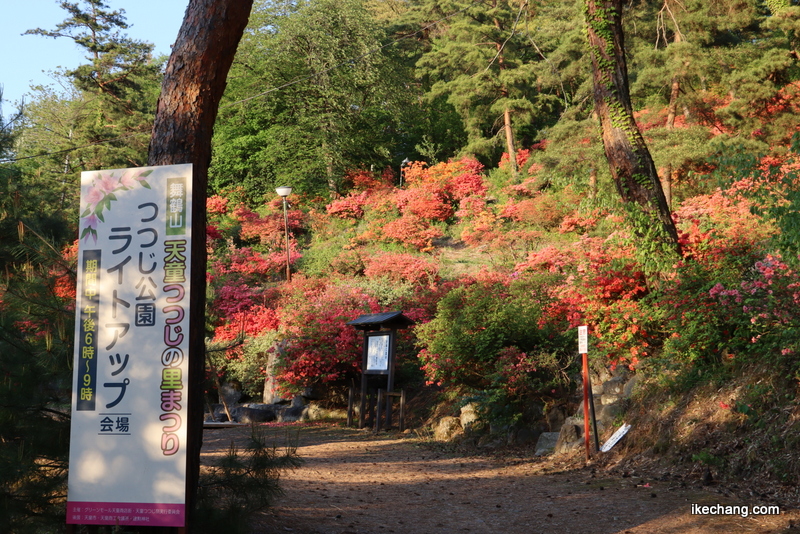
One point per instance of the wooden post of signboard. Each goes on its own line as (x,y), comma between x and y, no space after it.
(363,400)
(390,380)
(378,410)
(350,395)
(402,410)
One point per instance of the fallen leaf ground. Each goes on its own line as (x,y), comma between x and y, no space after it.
(358,482)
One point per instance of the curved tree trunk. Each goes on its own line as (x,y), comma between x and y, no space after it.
(632,167)
(187,108)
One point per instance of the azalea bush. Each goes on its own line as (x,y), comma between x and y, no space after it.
(487,335)
(318,347)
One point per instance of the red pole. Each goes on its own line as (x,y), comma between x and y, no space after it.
(586,403)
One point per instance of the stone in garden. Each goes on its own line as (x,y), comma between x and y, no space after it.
(547,443)
(447,429)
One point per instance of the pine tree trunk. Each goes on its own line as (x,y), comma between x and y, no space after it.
(675,89)
(507,125)
(512,153)
(630,162)
(187,108)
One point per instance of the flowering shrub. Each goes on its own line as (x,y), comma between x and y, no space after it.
(457,179)
(544,209)
(412,231)
(604,289)
(402,268)
(216,205)
(432,205)
(580,223)
(480,320)
(522,158)
(268,229)
(251,322)
(759,313)
(319,347)
(719,230)
(249,262)
(349,207)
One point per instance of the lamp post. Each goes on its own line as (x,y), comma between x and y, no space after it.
(403,165)
(284,192)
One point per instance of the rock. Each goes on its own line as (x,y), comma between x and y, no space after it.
(571,436)
(496,428)
(546,443)
(469,416)
(448,428)
(609,413)
(615,386)
(251,414)
(630,385)
(291,414)
(598,376)
(270,382)
(315,412)
(219,413)
(555,417)
(597,399)
(609,398)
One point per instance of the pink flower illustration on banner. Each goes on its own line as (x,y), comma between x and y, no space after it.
(127,180)
(107,184)
(101,193)
(94,197)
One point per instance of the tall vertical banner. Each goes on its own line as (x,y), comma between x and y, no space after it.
(128,436)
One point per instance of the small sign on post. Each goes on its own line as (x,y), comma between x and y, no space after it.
(583,339)
(588,400)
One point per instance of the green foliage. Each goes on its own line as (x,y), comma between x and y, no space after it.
(35,352)
(474,323)
(242,484)
(103,115)
(483,60)
(312,94)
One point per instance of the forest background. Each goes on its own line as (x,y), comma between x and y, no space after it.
(446,161)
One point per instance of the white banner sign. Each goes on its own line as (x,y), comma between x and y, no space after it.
(128,440)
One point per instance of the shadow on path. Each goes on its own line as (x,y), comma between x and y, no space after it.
(356,482)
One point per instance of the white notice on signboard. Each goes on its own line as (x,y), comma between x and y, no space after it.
(378,352)
(127,463)
(583,339)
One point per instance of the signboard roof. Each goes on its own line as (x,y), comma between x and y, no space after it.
(375,321)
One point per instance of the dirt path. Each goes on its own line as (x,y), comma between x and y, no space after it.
(356,482)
